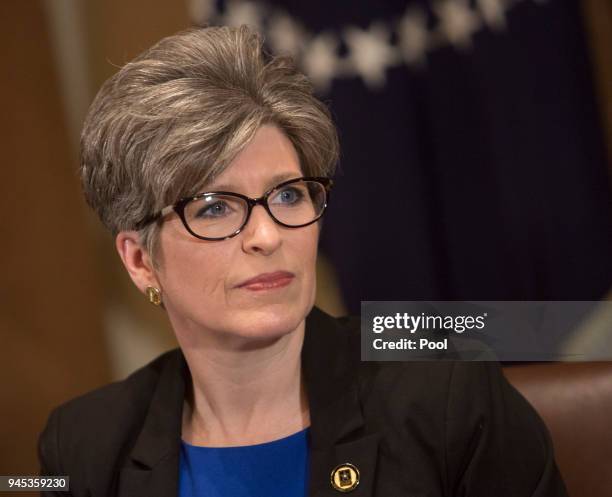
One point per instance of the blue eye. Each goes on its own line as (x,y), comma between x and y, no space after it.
(288,196)
(218,209)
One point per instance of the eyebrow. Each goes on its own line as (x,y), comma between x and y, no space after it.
(273,181)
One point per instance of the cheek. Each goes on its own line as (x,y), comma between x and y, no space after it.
(305,243)
(190,269)
(205,273)
(306,249)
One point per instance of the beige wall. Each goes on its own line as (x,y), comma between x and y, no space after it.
(52,346)
(116,32)
(598,16)
(59,274)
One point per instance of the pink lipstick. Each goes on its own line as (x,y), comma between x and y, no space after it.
(268,281)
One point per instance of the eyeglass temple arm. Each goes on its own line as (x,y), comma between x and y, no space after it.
(154,217)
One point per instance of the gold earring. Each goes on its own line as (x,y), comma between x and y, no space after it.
(154,295)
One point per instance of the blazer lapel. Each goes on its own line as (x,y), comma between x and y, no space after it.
(330,364)
(154,461)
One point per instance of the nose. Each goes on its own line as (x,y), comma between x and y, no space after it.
(261,235)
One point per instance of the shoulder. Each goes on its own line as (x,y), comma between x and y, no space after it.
(408,380)
(460,397)
(103,422)
(462,417)
(118,400)
(466,419)
(453,384)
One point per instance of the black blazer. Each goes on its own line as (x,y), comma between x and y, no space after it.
(411,428)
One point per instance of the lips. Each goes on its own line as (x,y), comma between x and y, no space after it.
(267,281)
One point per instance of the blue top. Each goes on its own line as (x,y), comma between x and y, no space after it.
(272,469)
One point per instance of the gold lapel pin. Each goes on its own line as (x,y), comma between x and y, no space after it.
(345,477)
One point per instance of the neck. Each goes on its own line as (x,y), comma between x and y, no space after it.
(245,394)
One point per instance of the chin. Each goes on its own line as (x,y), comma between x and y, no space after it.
(271,322)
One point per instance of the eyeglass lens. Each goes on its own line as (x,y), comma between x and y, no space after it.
(219,215)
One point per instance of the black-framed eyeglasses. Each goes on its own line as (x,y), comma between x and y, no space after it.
(219,215)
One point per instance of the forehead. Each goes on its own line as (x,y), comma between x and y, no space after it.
(269,158)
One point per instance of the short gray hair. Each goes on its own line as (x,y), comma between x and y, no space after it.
(172,120)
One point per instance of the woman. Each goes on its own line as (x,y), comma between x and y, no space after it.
(209,163)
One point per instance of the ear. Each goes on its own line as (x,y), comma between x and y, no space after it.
(136,259)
